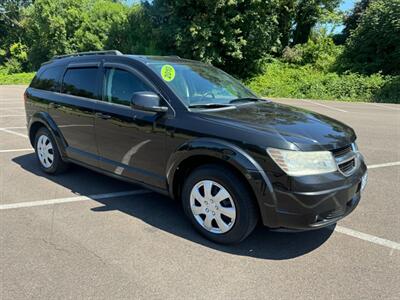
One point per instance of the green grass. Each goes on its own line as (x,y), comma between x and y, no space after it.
(20,78)
(304,82)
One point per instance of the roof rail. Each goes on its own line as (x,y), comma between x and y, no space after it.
(106,52)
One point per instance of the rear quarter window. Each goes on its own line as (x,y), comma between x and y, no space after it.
(81,82)
(48,79)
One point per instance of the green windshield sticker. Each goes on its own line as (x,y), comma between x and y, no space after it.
(168,72)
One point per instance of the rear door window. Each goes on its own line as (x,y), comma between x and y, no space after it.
(120,85)
(48,80)
(81,82)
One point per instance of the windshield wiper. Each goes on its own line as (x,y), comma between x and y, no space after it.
(209,105)
(245,99)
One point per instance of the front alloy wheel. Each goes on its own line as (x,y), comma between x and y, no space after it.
(212,206)
(219,204)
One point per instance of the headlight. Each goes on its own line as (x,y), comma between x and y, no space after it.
(299,163)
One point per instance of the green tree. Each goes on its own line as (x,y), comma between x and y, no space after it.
(374,46)
(352,20)
(136,34)
(286,14)
(307,15)
(102,27)
(11,29)
(65,26)
(233,34)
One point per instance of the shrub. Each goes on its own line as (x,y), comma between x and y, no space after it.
(320,51)
(284,80)
(16,60)
(20,78)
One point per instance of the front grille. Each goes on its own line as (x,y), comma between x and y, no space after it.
(342,151)
(347,166)
(345,159)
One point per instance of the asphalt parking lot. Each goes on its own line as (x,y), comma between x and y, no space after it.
(84,235)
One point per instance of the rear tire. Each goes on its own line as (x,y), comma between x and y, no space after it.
(219,204)
(47,152)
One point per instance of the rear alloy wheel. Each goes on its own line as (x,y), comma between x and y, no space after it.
(219,204)
(47,152)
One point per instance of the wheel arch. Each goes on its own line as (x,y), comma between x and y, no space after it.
(43,119)
(212,151)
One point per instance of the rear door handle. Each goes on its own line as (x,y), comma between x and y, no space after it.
(103,116)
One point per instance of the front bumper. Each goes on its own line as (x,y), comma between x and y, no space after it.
(313,202)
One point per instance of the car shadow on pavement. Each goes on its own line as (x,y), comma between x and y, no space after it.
(165,214)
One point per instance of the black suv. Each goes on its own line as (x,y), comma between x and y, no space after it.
(188,130)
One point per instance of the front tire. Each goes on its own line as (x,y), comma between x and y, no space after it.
(47,153)
(219,204)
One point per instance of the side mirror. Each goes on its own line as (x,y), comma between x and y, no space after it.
(147,101)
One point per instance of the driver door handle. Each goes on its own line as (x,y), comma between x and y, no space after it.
(103,116)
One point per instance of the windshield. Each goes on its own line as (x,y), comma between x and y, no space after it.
(198,84)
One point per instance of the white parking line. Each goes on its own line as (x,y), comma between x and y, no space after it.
(11,108)
(391,164)
(343,230)
(384,106)
(16,150)
(368,237)
(14,102)
(14,127)
(13,132)
(330,107)
(11,99)
(7,116)
(72,199)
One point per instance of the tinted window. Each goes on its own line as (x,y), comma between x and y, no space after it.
(48,80)
(120,85)
(81,82)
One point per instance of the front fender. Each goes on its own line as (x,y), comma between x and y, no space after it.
(44,119)
(237,158)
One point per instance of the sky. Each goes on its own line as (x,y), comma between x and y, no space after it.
(347,4)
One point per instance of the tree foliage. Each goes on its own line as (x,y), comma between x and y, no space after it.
(11,30)
(320,51)
(353,19)
(307,14)
(236,35)
(374,46)
(137,34)
(65,26)
(232,34)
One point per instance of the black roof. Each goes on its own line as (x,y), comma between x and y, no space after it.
(146,59)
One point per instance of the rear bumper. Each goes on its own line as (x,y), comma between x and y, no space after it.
(313,202)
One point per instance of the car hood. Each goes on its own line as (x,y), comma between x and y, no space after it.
(307,130)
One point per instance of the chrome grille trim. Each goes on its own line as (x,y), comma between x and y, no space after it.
(346,159)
